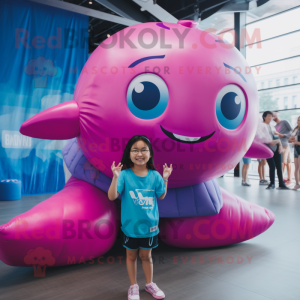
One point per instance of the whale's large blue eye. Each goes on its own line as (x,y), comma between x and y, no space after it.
(147,96)
(230,106)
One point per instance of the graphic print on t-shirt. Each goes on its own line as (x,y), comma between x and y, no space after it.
(143,197)
(139,208)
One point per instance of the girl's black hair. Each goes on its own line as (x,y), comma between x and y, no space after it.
(126,161)
(266,113)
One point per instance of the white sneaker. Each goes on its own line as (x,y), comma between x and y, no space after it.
(263,182)
(133,292)
(296,187)
(155,291)
(246,183)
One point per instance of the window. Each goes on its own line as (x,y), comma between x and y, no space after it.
(294,79)
(282,23)
(295,101)
(262,85)
(274,49)
(276,61)
(285,100)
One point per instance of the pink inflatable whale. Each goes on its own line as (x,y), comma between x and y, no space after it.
(192,94)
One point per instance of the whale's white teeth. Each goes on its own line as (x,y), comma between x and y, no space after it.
(186,138)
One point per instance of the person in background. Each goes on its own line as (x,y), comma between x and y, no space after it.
(263,135)
(261,171)
(284,127)
(245,181)
(295,140)
(274,162)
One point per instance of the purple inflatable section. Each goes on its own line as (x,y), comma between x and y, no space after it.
(202,199)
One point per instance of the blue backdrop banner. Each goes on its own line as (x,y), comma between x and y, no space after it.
(43,50)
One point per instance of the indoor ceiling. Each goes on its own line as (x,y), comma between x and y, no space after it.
(216,14)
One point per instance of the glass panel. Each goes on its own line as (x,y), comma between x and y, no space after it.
(294,104)
(277,71)
(295,79)
(275,49)
(270,8)
(277,25)
(282,74)
(285,102)
(280,98)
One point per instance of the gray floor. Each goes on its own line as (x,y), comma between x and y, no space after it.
(273,272)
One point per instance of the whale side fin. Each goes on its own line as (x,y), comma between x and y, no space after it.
(60,122)
(259,150)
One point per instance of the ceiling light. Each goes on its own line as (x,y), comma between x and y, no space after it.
(108,35)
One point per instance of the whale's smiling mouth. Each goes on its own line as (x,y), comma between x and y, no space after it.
(186,139)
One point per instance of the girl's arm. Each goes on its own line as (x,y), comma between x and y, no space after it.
(292,137)
(167,172)
(165,193)
(113,194)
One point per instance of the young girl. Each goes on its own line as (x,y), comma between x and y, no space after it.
(137,180)
(295,140)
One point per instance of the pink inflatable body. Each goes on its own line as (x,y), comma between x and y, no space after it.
(237,221)
(193,95)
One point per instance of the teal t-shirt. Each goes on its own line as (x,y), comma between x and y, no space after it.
(139,209)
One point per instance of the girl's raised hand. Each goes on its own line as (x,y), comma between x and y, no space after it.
(167,171)
(116,169)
